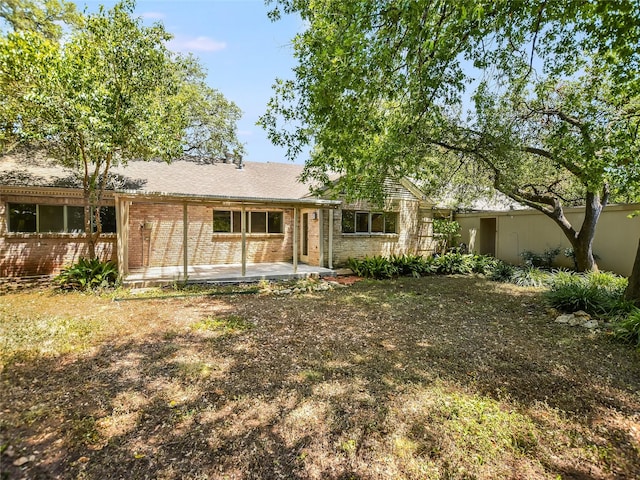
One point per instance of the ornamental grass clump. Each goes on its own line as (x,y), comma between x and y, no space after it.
(597,293)
(628,328)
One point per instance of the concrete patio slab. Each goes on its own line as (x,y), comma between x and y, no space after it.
(158,276)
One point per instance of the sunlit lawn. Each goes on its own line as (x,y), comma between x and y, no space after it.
(440,377)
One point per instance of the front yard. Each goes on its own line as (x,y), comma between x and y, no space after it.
(438,377)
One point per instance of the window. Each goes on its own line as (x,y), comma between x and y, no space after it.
(22,217)
(275,222)
(34,218)
(369,222)
(258,222)
(75,219)
(226,221)
(348,221)
(362,222)
(107,219)
(229,221)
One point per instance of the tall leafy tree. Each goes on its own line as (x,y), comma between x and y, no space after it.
(538,98)
(112,92)
(46,17)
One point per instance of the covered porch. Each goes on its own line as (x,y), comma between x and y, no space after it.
(176,232)
(254,272)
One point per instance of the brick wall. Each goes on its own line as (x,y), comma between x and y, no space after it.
(414,234)
(156,238)
(30,254)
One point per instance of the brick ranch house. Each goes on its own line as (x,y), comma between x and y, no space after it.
(186,213)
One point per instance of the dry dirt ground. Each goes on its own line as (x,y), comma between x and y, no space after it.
(436,378)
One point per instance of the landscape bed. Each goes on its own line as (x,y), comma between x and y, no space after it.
(442,377)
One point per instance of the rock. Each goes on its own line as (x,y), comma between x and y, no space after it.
(552,312)
(590,324)
(564,318)
(21,461)
(574,321)
(582,314)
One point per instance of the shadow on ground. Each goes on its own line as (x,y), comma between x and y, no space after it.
(447,378)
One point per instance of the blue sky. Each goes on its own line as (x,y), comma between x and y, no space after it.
(242,50)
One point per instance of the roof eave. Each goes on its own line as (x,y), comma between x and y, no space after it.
(225,199)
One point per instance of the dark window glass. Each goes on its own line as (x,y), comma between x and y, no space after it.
(51,218)
(377,223)
(237,222)
(274,222)
(222,221)
(22,217)
(362,222)
(108,219)
(75,219)
(390,222)
(348,221)
(258,222)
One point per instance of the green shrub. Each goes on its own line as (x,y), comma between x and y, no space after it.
(540,260)
(597,293)
(412,265)
(529,277)
(628,329)
(483,264)
(445,231)
(373,267)
(501,272)
(87,275)
(452,263)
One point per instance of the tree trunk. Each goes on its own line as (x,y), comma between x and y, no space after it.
(583,253)
(632,293)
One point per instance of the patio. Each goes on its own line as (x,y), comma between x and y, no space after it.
(156,276)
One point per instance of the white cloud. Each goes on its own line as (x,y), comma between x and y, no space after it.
(185,44)
(153,15)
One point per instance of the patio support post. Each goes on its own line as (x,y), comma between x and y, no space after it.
(330,238)
(295,239)
(320,237)
(243,229)
(185,242)
(122,236)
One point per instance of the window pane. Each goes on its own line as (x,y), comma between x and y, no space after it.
(237,222)
(108,219)
(51,218)
(390,222)
(362,222)
(377,223)
(348,221)
(221,221)
(75,219)
(22,217)
(258,222)
(275,222)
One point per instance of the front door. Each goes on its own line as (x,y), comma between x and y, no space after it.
(304,238)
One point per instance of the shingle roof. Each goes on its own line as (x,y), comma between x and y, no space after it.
(257,180)
(261,180)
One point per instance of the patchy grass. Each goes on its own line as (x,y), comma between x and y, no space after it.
(436,378)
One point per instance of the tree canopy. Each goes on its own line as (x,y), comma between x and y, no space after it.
(539,99)
(109,93)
